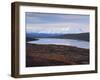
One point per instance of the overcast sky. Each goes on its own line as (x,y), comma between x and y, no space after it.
(56,23)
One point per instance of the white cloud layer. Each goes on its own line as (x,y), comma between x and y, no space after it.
(58,28)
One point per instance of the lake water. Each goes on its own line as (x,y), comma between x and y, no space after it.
(70,42)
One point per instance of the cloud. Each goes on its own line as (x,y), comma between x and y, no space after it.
(60,28)
(34,18)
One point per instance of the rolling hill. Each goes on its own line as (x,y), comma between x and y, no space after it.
(79,36)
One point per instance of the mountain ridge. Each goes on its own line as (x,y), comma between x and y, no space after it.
(79,36)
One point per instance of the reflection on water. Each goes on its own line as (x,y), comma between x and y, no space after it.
(70,42)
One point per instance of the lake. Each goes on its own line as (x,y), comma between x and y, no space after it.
(69,42)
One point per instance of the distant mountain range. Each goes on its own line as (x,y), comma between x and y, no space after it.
(41,35)
(79,36)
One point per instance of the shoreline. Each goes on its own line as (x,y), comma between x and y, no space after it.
(52,55)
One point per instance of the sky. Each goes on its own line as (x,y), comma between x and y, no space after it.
(56,23)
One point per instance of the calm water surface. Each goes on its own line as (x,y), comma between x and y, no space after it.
(70,42)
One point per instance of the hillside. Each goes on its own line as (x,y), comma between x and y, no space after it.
(52,55)
(80,36)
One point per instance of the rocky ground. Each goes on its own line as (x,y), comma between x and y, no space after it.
(53,55)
